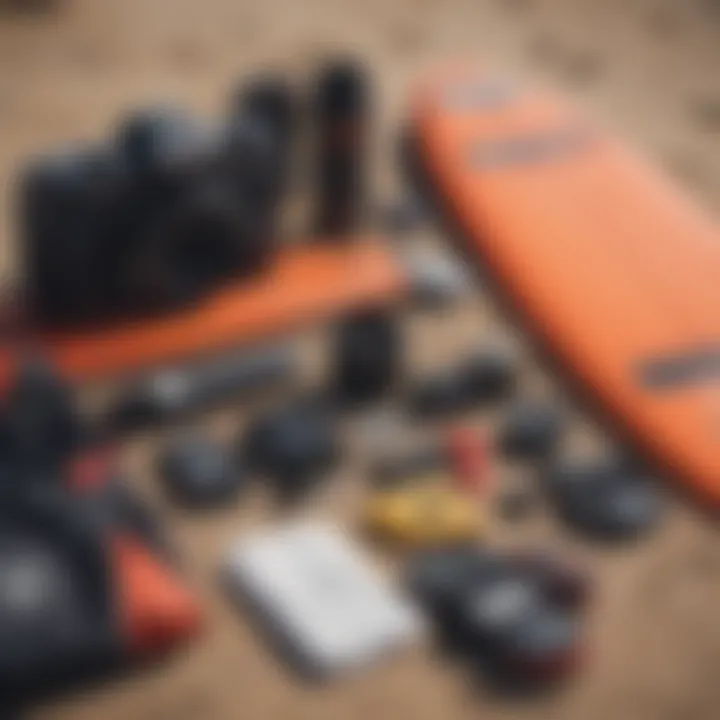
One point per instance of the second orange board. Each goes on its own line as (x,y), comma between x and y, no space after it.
(609,262)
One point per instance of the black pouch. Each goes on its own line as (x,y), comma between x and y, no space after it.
(57,620)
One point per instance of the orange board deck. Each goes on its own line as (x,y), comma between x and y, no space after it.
(610,264)
(305,284)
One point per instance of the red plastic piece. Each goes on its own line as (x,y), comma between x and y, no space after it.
(156,609)
(90,469)
(468,454)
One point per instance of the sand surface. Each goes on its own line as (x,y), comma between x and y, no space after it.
(649,69)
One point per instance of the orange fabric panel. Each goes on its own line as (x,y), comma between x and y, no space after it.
(305,284)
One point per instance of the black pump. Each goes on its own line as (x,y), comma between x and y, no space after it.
(341,115)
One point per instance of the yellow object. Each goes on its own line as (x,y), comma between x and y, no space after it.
(431,514)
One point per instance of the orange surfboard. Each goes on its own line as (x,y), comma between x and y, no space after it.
(305,284)
(610,264)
